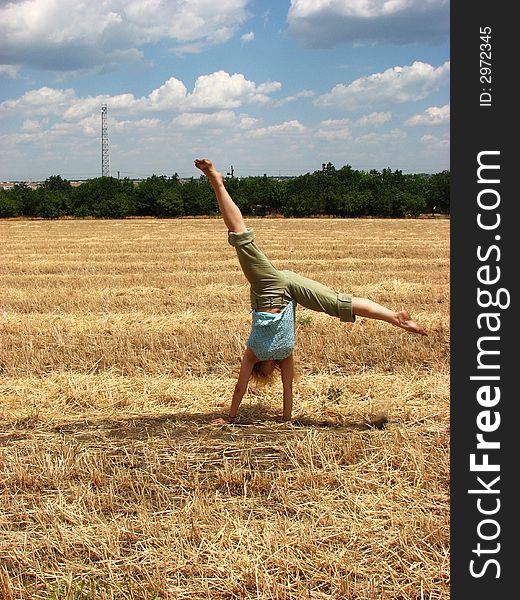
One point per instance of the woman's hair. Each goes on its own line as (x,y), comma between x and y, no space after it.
(259,378)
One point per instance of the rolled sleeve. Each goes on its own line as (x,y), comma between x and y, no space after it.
(241,239)
(345,308)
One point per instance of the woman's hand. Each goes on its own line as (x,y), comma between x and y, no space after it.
(223,420)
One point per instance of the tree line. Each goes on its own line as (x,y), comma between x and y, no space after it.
(343,192)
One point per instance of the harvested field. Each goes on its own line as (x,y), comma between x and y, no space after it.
(121,340)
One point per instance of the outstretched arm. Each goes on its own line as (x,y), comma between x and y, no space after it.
(287,369)
(231,214)
(248,362)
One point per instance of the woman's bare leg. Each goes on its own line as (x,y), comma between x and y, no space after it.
(231,214)
(234,221)
(367,308)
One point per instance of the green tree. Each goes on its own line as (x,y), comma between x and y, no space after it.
(56,183)
(104,197)
(355,203)
(170,204)
(26,199)
(149,192)
(405,204)
(9,206)
(53,204)
(198,198)
(438,193)
(118,206)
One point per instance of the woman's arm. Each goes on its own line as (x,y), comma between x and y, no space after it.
(230,212)
(287,369)
(248,362)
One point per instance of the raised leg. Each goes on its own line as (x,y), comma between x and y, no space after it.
(318,297)
(363,307)
(231,214)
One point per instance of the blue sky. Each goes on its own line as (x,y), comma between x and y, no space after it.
(276,87)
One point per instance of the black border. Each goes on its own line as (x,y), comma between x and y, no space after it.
(476,128)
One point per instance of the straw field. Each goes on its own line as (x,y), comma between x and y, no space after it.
(121,340)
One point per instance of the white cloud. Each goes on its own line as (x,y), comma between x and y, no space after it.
(433,142)
(30,126)
(248,37)
(168,96)
(268,87)
(381,138)
(326,23)
(88,126)
(331,123)
(341,129)
(393,86)
(334,129)
(43,101)
(211,121)
(215,92)
(435,115)
(81,107)
(223,118)
(132,125)
(287,99)
(246,122)
(288,128)
(72,35)
(220,90)
(9,71)
(183,49)
(374,119)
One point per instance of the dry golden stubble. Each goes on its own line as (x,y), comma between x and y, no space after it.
(120,342)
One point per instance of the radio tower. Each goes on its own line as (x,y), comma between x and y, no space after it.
(105,162)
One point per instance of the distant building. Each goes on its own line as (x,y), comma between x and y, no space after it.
(9,185)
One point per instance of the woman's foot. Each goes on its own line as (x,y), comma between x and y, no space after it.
(405,322)
(208,168)
(362,307)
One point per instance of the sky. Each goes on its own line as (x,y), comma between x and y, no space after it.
(276,87)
